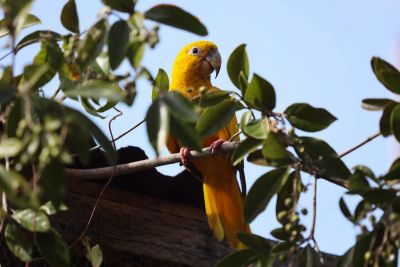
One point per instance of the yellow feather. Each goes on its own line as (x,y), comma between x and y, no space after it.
(222,197)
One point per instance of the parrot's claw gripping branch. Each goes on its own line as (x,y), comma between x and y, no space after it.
(121,169)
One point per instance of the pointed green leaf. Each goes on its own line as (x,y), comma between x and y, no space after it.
(308,257)
(240,258)
(360,249)
(358,182)
(17,242)
(30,20)
(53,248)
(209,99)
(307,118)
(387,74)
(395,122)
(126,6)
(135,53)
(260,94)
(376,103)
(35,37)
(176,17)
(118,43)
(257,129)
(53,182)
(254,241)
(157,123)
(96,88)
(185,132)
(263,189)
(345,210)
(35,221)
(245,147)
(216,117)
(275,152)
(281,234)
(180,107)
(238,66)
(93,254)
(161,84)
(69,17)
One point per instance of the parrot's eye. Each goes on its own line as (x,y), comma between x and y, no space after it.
(195,51)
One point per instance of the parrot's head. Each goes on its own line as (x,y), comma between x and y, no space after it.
(194,65)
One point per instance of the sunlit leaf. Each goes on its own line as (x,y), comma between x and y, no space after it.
(161,84)
(176,17)
(245,147)
(211,98)
(118,42)
(17,242)
(260,94)
(376,103)
(96,88)
(135,53)
(307,118)
(69,17)
(35,221)
(257,129)
(179,106)
(10,147)
(35,37)
(238,65)
(29,20)
(93,254)
(53,248)
(263,189)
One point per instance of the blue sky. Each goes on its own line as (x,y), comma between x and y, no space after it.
(311,51)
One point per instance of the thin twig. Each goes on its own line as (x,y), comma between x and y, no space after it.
(314,206)
(121,135)
(112,175)
(372,137)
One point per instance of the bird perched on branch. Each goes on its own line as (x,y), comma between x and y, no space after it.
(223,201)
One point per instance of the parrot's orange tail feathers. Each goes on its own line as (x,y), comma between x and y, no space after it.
(224,208)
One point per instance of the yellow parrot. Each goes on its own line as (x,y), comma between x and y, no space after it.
(223,201)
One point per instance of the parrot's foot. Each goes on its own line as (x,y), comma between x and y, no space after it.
(214,147)
(185,154)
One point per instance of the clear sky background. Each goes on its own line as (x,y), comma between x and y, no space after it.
(311,51)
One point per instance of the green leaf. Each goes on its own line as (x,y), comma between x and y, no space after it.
(394,171)
(161,84)
(366,171)
(157,123)
(281,234)
(29,20)
(118,43)
(395,122)
(17,242)
(358,182)
(361,247)
(212,98)
(69,17)
(307,118)
(53,248)
(260,94)
(96,132)
(185,132)
(179,106)
(346,260)
(53,182)
(385,121)
(93,254)
(90,47)
(379,196)
(239,258)
(126,6)
(7,93)
(176,17)
(362,209)
(135,53)
(238,66)
(10,147)
(323,157)
(263,189)
(275,152)
(35,221)
(245,147)
(257,129)
(35,37)
(17,189)
(96,88)
(387,74)
(345,210)
(254,241)
(376,103)
(216,117)
(308,257)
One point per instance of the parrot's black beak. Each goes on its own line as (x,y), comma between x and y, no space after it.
(214,58)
